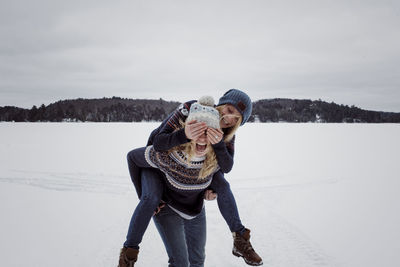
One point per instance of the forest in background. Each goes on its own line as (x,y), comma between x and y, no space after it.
(118,109)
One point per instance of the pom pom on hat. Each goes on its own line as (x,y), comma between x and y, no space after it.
(204,111)
(207,101)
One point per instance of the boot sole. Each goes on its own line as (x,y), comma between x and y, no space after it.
(238,254)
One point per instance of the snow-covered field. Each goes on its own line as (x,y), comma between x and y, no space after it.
(312,194)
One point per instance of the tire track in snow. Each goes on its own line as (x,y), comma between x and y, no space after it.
(283,244)
(281,182)
(78,182)
(287,246)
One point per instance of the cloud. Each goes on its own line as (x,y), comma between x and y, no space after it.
(177,49)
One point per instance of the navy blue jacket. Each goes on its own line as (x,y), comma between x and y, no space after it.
(170,134)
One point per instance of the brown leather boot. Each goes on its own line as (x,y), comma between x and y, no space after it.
(128,257)
(242,248)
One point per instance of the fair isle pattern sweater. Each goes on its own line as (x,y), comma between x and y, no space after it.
(184,191)
(170,134)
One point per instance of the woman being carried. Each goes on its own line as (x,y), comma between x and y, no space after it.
(235,108)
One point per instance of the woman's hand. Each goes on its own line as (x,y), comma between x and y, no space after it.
(210,195)
(158,209)
(214,135)
(194,129)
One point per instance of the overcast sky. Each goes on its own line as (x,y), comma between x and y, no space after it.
(344,51)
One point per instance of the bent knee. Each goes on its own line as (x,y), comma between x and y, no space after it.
(150,200)
(131,155)
(221,186)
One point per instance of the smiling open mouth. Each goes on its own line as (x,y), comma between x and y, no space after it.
(201,147)
(224,121)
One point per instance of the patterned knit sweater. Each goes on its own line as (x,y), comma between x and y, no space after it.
(170,134)
(184,191)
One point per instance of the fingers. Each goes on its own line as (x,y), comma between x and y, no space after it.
(211,139)
(194,129)
(197,133)
(158,209)
(215,131)
(210,195)
(206,195)
(214,135)
(199,126)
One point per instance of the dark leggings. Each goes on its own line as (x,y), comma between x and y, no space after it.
(226,202)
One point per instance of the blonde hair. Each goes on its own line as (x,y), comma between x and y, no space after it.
(229,132)
(210,163)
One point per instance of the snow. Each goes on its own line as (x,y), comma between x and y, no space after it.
(312,194)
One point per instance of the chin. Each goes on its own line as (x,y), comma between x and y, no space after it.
(200,153)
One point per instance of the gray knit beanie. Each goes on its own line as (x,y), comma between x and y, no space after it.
(240,100)
(204,111)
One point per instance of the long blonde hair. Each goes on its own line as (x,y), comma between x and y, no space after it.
(210,163)
(229,132)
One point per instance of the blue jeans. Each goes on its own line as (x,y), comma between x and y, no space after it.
(151,192)
(184,240)
(226,202)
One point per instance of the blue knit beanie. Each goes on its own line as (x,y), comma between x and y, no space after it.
(240,100)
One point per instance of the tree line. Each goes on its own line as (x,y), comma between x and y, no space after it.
(118,109)
(294,110)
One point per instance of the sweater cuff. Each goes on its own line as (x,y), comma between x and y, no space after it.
(181,136)
(219,145)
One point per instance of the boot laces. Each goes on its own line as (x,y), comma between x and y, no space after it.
(245,244)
